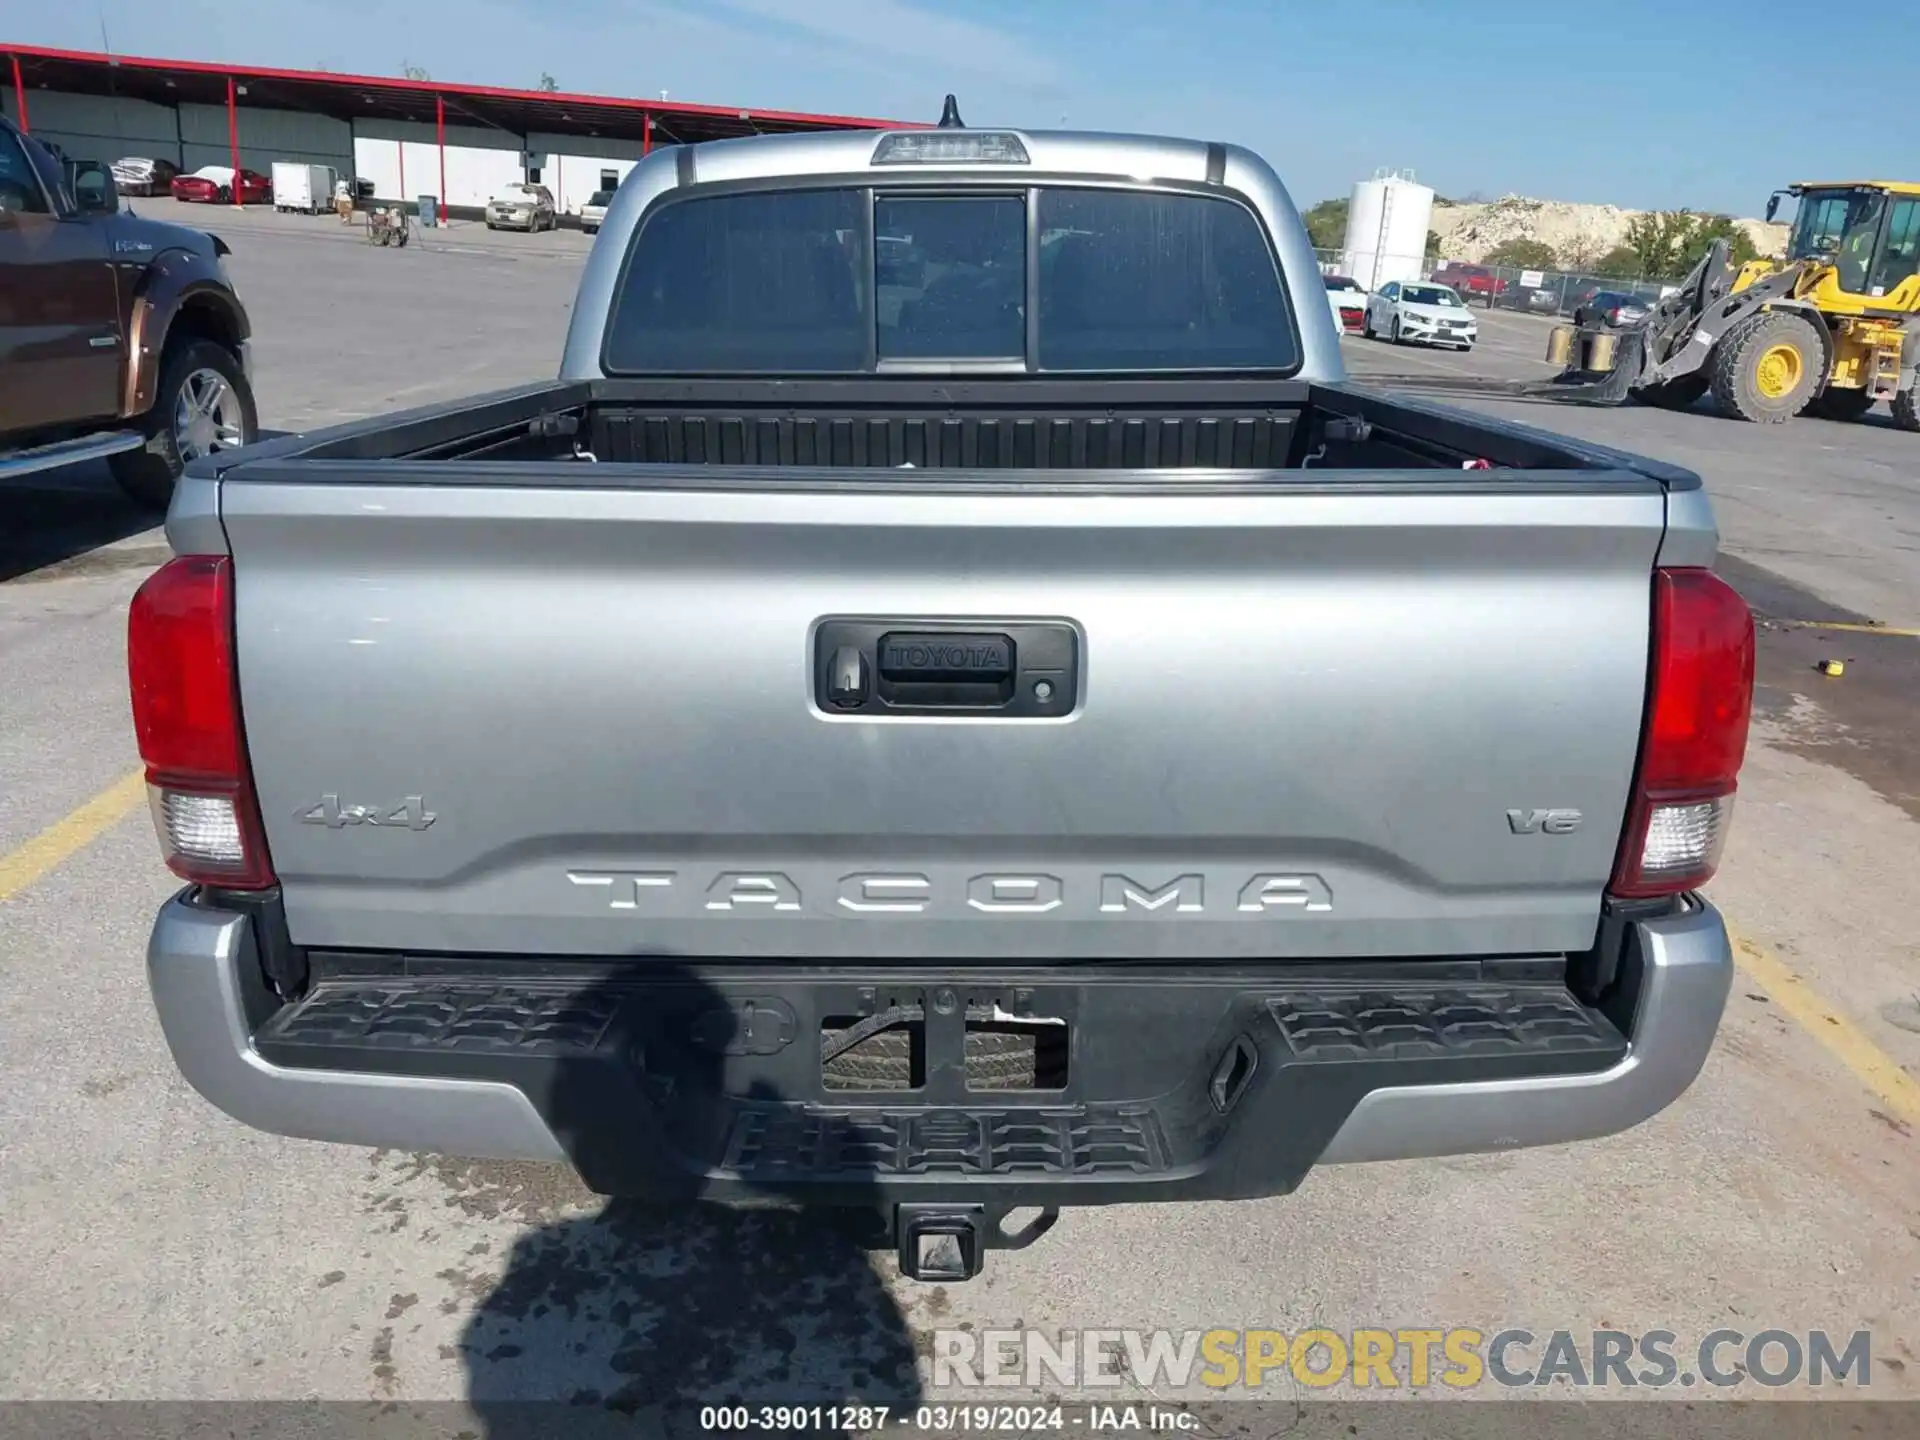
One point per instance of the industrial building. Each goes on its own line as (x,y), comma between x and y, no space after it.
(408,138)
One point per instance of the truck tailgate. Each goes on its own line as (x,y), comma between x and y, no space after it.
(1315,720)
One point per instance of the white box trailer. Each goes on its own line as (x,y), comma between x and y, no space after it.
(306,188)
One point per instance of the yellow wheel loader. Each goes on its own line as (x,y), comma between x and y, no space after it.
(1830,329)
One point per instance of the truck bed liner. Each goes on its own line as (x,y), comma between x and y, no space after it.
(1033,423)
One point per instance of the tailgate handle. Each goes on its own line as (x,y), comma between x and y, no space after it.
(1015,668)
(945,669)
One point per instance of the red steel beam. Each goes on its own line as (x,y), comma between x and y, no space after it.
(233,141)
(20,95)
(440,134)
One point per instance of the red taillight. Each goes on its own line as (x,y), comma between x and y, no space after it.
(186,715)
(1696,735)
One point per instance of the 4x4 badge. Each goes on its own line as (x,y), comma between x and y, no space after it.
(410,814)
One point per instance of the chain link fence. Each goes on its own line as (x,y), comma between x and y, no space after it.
(1554,293)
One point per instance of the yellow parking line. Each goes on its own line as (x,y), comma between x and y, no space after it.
(20,868)
(1849,1044)
(1861,629)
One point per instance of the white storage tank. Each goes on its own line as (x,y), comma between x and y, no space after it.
(1387,223)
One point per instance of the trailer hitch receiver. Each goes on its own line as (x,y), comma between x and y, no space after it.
(949,1242)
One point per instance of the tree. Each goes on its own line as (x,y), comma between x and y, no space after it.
(413,72)
(1622,262)
(1523,254)
(1327,224)
(548,83)
(1740,246)
(1669,243)
(1579,253)
(1433,243)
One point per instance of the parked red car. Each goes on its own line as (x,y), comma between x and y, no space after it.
(1471,282)
(213,184)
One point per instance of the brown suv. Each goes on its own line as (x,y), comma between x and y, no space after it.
(120,338)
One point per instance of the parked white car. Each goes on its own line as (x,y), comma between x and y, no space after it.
(1422,313)
(595,211)
(521,207)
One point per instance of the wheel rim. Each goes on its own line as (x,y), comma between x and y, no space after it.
(208,416)
(1779,371)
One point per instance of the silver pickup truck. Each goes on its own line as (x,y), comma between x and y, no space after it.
(984,721)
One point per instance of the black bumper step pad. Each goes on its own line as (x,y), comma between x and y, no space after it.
(712,1083)
(1366,1024)
(455,1019)
(1077,1140)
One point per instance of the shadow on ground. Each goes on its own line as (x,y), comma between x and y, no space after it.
(72,521)
(63,517)
(649,1309)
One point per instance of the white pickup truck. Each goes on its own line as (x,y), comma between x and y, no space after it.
(998,723)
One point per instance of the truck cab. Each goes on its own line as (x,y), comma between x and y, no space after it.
(124,341)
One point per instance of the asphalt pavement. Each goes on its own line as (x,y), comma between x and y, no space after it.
(156,1250)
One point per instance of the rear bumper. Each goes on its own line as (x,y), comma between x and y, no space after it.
(204,970)
(631,1081)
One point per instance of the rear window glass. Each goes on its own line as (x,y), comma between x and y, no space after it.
(1137,281)
(745,283)
(950,277)
(834,280)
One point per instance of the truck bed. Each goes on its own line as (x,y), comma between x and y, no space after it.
(1025,424)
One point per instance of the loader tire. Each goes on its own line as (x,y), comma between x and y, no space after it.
(1841,404)
(1677,394)
(1906,409)
(1767,367)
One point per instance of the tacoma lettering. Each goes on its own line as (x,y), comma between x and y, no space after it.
(910,893)
(1118,894)
(734,891)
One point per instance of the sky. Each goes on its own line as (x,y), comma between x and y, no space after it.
(1649,104)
